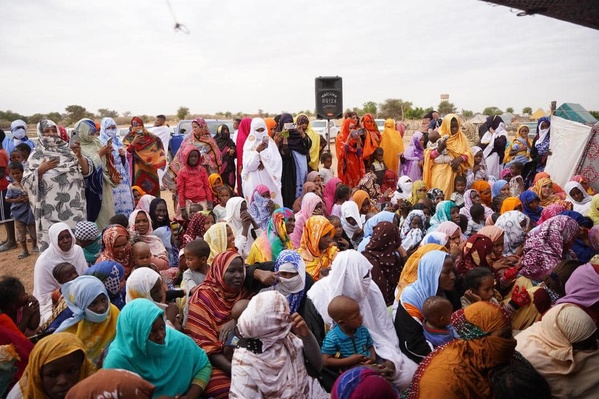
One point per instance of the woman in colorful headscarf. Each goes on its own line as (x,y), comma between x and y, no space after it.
(112,274)
(62,249)
(164,357)
(548,245)
(121,194)
(500,187)
(262,163)
(148,156)
(484,189)
(385,259)
(371,223)
(514,225)
(442,175)
(100,204)
(350,276)
(220,237)
(578,196)
(582,289)
(316,247)
(329,193)
(294,147)
(197,227)
(278,370)
(446,211)
(582,246)
(261,206)
(540,145)
(209,309)
(348,145)
(476,252)
(94,317)
(392,143)
(371,138)
(271,125)
(303,121)
(584,182)
(140,227)
(494,141)
(311,205)
(414,158)
(462,368)
(274,239)
(563,348)
(435,277)
(544,189)
(593,212)
(531,205)
(550,211)
(292,281)
(228,153)
(418,192)
(138,193)
(54,181)
(56,363)
(117,247)
(363,381)
(511,204)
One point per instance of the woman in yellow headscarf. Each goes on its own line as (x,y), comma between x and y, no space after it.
(316,247)
(392,144)
(63,358)
(453,140)
(302,119)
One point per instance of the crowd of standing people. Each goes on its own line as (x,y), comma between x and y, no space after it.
(450,267)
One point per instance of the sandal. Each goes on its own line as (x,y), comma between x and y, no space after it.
(23,255)
(8,246)
(35,250)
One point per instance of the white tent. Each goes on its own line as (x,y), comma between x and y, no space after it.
(478,119)
(568,141)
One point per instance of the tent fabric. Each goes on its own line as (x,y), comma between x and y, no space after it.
(575,112)
(568,142)
(589,160)
(539,113)
(478,119)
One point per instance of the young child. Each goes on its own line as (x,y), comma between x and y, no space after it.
(325,171)
(412,229)
(460,188)
(88,237)
(192,183)
(62,273)
(480,286)
(16,156)
(342,243)
(479,169)
(120,219)
(437,321)
(224,194)
(25,151)
(21,210)
(378,165)
(196,258)
(434,139)
(232,338)
(21,307)
(142,256)
(349,343)
(477,219)
(342,194)
(516,182)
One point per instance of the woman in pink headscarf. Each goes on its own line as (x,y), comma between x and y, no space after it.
(311,205)
(329,193)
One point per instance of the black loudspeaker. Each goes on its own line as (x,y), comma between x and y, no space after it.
(329,97)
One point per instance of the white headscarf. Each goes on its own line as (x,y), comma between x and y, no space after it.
(78,295)
(404,189)
(583,206)
(140,283)
(233,214)
(43,280)
(350,276)
(489,138)
(349,209)
(18,128)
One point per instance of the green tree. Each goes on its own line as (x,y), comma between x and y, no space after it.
(228,114)
(11,116)
(370,107)
(35,118)
(75,113)
(182,112)
(527,110)
(509,110)
(490,111)
(127,114)
(415,113)
(107,113)
(54,116)
(394,108)
(467,113)
(595,114)
(445,107)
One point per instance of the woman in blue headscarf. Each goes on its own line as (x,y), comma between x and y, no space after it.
(165,357)
(122,194)
(384,216)
(112,274)
(94,317)
(531,205)
(582,244)
(293,281)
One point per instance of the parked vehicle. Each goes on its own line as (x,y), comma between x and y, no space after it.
(380,123)
(320,126)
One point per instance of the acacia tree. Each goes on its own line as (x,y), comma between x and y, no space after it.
(509,110)
(107,113)
(182,112)
(370,107)
(491,111)
(527,110)
(445,107)
(394,108)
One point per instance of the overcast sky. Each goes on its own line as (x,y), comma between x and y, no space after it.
(245,55)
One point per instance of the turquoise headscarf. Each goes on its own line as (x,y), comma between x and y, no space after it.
(171,367)
(442,214)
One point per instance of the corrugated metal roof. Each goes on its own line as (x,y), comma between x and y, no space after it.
(575,112)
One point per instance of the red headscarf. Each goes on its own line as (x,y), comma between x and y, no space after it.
(109,236)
